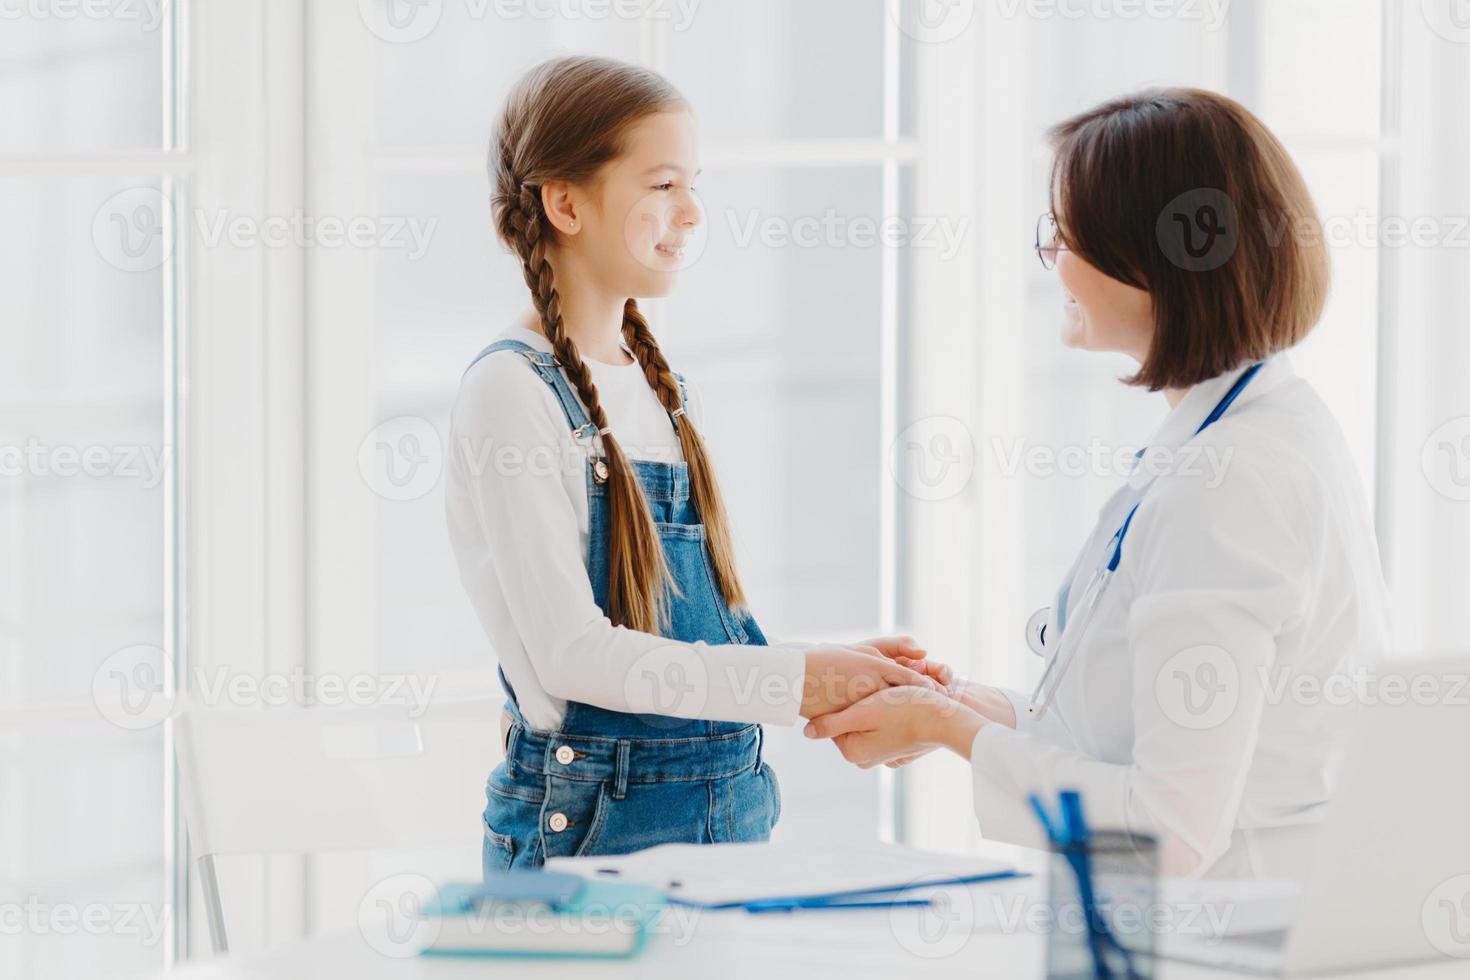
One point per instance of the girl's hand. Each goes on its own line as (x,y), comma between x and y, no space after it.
(906,650)
(898,723)
(837,677)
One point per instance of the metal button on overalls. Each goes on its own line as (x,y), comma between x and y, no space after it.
(565,755)
(557,822)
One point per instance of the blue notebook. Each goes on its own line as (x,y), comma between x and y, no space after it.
(540,914)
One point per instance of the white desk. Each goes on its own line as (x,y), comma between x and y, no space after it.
(848,944)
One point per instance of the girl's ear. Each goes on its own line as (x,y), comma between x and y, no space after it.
(560,202)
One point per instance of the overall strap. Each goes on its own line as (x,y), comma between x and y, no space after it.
(546,366)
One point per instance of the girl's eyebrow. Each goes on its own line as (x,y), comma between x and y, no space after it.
(669,166)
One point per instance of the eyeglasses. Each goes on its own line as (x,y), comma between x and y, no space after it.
(1046,240)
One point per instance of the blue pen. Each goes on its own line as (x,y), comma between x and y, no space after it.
(803,905)
(852,898)
(1099,936)
(1077,840)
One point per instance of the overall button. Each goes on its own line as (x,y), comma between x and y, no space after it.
(565,755)
(557,822)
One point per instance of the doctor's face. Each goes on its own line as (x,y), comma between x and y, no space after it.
(1100,313)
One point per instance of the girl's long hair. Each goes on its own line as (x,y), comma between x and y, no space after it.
(564,120)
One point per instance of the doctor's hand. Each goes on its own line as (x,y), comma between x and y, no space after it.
(986,700)
(838,676)
(906,650)
(897,724)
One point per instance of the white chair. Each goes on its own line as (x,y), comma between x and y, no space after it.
(316,780)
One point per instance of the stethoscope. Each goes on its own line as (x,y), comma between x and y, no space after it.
(1042,636)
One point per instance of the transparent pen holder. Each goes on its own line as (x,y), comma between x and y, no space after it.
(1119,929)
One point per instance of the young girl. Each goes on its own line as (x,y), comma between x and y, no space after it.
(586,519)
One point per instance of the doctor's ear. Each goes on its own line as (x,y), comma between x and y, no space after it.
(561,202)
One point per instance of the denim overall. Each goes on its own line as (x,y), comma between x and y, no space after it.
(610,782)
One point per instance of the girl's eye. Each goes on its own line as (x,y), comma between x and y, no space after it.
(665,186)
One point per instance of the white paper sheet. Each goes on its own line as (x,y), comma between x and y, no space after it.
(719,873)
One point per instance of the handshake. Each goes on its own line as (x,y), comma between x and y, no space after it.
(884,702)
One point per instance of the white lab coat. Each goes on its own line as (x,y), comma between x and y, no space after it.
(1249,573)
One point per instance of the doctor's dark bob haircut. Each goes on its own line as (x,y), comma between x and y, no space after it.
(1184,193)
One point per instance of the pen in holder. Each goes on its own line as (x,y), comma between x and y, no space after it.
(1101,895)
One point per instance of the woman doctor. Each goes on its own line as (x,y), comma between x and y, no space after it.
(1183,647)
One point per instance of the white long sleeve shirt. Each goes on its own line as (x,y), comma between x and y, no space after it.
(516,502)
(1247,575)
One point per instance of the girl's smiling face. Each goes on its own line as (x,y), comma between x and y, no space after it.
(1099,313)
(635,223)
